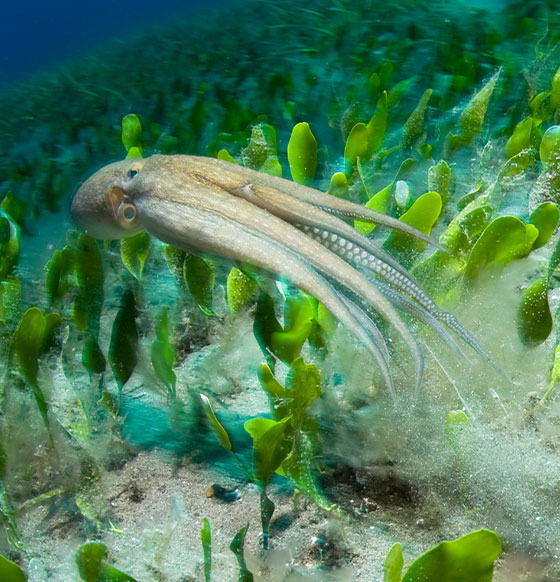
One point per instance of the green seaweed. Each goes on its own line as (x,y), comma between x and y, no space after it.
(132,135)
(469,558)
(393,564)
(534,320)
(200,279)
(414,125)
(505,239)
(302,154)
(163,354)
(10,572)
(236,546)
(472,117)
(206,540)
(123,349)
(92,567)
(422,215)
(241,290)
(545,219)
(134,252)
(32,338)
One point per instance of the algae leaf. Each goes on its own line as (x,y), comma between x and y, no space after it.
(356,147)
(377,125)
(89,272)
(422,215)
(413,126)
(236,546)
(534,321)
(240,290)
(298,316)
(440,179)
(393,564)
(270,445)
(378,202)
(10,572)
(302,153)
(123,349)
(32,338)
(215,424)
(60,270)
(472,117)
(545,218)
(505,239)
(163,354)
(206,540)
(89,559)
(469,558)
(199,278)
(134,252)
(132,135)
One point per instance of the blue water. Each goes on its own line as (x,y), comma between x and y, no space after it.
(37,35)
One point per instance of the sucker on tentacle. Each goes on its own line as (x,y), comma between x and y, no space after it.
(213,207)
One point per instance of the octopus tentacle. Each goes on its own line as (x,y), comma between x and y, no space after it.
(409,306)
(330,264)
(302,214)
(230,176)
(348,250)
(267,254)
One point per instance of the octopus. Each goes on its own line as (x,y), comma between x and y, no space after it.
(212,207)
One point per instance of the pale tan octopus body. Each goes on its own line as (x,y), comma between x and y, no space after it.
(212,207)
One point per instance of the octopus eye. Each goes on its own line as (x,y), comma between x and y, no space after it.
(131,173)
(126,214)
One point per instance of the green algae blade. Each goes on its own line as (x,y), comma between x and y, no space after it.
(90,277)
(339,185)
(467,559)
(534,321)
(302,153)
(92,357)
(10,572)
(60,271)
(134,252)
(215,424)
(241,290)
(226,156)
(237,545)
(526,134)
(270,445)
(123,349)
(89,559)
(414,125)
(549,150)
(393,564)
(505,239)
(200,279)
(14,206)
(545,218)
(356,145)
(472,117)
(422,215)
(206,540)
(298,316)
(377,125)
(440,180)
(377,202)
(163,354)
(132,135)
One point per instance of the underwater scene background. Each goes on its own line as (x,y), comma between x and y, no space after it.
(175,417)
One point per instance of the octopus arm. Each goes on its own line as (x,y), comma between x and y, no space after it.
(235,229)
